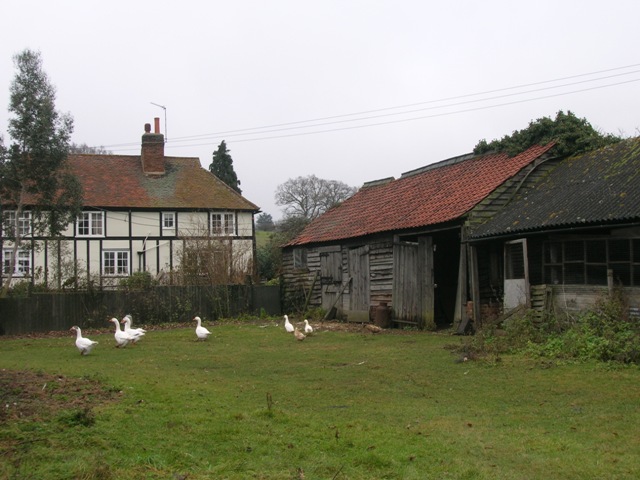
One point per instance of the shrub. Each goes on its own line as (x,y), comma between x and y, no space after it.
(604,333)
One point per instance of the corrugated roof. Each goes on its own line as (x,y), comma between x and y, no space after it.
(117,181)
(597,187)
(434,194)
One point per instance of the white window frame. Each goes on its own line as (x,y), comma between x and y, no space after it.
(21,225)
(223,224)
(23,263)
(168,220)
(95,222)
(116,263)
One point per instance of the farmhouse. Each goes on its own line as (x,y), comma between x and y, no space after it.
(399,243)
(562,237)
(140,214)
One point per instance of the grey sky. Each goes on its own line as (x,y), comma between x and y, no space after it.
(223,69)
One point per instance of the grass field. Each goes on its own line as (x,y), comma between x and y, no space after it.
(253,403)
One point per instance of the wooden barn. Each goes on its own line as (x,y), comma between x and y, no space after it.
(398,245)
(562,238)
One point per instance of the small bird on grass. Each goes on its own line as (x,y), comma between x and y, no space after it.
(373,328)
(299,335)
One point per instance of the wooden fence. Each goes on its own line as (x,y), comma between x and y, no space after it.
(45,312)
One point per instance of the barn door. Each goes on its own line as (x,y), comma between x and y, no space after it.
(413,295)
(516,274)
(330,275)
(359,272)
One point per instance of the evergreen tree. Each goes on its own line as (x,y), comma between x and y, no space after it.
(35,185)
(222,167)
(265,222)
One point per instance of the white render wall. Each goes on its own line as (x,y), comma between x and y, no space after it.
(150,247)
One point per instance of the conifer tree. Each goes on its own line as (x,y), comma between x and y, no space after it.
(222,167)
(39,196)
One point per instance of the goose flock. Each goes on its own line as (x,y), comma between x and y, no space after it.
(128,335)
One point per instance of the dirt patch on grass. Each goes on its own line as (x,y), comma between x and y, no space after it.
(26,395)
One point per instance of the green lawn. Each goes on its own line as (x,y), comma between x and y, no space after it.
(251,402)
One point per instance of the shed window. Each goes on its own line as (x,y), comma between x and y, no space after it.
(299,258)
(581,262)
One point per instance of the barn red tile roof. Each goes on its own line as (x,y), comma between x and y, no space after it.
(117,181)
(431,195)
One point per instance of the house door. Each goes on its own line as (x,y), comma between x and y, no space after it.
(516,275)
(413,295)
(359,273)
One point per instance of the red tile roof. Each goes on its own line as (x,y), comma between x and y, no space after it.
(434,194)
(117,181)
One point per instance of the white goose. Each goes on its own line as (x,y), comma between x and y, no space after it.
(136,333)
(201,332)
(287,325)
(84,344)
(122,337)
(308,329)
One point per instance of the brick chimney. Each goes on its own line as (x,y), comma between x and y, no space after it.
(152,155)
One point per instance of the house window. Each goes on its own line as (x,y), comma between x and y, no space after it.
(90,224)
(14,224)
(23,262)
(222,223)
(587,262)
(168,220)
(115,262)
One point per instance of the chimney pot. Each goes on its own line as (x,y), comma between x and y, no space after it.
(157,124)
(147,128)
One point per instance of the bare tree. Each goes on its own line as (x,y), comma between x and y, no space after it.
(310,196)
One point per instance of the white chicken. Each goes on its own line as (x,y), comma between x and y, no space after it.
(122,338)
(136,333)
(201,332)
(287,325)
(308,329)
(84,344)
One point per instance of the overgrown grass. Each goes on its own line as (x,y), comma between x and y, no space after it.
(251,402)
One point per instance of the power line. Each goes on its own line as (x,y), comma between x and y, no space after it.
(299,124)
(486,107)
(457,97)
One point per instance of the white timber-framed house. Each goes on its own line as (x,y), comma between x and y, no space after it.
(139,214)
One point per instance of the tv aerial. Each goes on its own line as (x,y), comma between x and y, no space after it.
(166,131)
